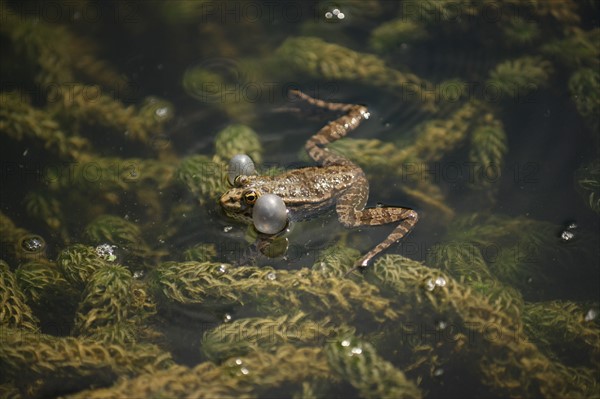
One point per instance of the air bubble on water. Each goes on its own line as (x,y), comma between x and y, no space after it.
(429,285)
(591,315)
(438,372)
(440,282)
(441,325)
(567,235)
(227,318)
(345,343)
(572,226)
(222,269)
(33,243)
(356,350)
(238,361)
(227,229)
(138,274)
(107,252)
(162,112)
(271,276)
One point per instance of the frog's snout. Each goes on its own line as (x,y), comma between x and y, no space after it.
(228,202)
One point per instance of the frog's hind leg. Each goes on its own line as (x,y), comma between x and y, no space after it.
(351,215)
(335,130)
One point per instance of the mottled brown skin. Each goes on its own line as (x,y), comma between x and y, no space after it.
(337,182)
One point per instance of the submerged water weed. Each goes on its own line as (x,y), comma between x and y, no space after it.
(52,53)
(396,33)
(14,311)
(106,301)
(207,177)
(561,329)
(520,76)
(317,58)
(258,373)
(238,139)
(141,124)
(75,362)
(196,283)
(78,262)
(247,335)
(587,179)
(465,261)
(49,294)
(523,253)
(525,371)
(358,363)
(584,86)
(123,233)
(21,121)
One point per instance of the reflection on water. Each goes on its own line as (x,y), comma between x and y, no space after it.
(122,277)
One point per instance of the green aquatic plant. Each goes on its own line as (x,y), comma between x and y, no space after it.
(317,58)
(45,207)
(336,260)
(521,31)
(207,177)
(390,36)
(519,77)
(78,262)
(239,337)
(52,299)
(464,261)
(204,177)
(20,121)
(587,180)
(51,54)
(118,231)
(84,105)
(225,91)
(67,364)
(275,291)
(105,304)
(563,328)
(200,253)
(238,139)
(523,253)
(14,311)
(358,363)
(259,373)
(579,49)
(507,362)
(584,86)
(487,149)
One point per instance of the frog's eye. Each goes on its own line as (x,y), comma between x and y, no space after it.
(240,165)
(239,180)
(250,197)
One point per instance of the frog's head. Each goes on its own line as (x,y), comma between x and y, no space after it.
(237,202)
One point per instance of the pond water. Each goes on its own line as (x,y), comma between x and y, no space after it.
(122,277)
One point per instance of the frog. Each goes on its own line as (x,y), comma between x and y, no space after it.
(335,182)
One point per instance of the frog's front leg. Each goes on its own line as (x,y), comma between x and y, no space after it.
(351,213)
